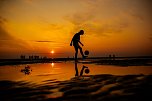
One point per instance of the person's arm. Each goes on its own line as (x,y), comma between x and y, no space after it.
(80,43)
(71,42)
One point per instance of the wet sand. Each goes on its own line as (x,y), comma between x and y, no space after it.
(85,88)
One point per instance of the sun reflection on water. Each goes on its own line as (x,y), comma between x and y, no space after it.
(52,64)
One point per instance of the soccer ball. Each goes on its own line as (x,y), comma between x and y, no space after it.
(86,52)
(87,71)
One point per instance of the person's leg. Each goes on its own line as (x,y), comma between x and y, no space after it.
(76,52)
(81,51)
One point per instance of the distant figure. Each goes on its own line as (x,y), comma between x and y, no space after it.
(76,40)
(27,70)
(113,57)
(110,57)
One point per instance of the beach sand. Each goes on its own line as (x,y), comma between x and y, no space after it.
(103,87)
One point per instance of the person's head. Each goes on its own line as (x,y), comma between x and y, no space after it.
(81,32)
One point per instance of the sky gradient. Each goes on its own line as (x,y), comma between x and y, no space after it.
(120,27)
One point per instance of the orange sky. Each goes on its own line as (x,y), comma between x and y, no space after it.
(120,27)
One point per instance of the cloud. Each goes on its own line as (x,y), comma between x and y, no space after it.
(6,2)
(9,43)
(4,35)
(131,13)
(150,37)
(2,20)
(49,25)
(105,29)
(86,21)
(55,26)
(79,18)
(44,41)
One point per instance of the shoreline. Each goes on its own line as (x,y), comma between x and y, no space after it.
(121,61)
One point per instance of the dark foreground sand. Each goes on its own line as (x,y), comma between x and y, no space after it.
(87,88)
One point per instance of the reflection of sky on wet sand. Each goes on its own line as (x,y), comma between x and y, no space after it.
(65,71)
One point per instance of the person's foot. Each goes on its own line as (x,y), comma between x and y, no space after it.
(85,66)
(84,57)
(76,74)
(76,60)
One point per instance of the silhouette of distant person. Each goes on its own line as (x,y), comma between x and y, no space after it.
(27,70)
(75,42)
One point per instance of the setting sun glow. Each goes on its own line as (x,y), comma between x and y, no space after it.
(120,27)
(52,52)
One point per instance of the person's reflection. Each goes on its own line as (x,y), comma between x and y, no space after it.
(82,70)
(27,70)
(76,69)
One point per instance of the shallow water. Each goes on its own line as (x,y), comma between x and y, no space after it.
(65,71)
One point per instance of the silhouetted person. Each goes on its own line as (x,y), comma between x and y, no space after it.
(110,57)
(113,57)
(76,40)
(27,70)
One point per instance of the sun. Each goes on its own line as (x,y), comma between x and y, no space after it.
(52,52)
